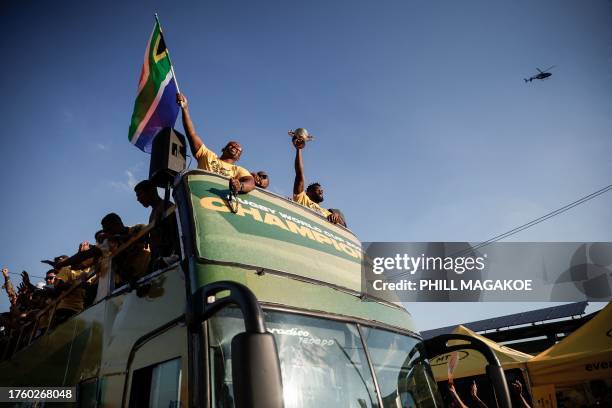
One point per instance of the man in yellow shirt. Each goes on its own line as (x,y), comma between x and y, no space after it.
(73,302)
(241,180)
(313,195)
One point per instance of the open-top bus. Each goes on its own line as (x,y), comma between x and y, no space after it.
(263,308)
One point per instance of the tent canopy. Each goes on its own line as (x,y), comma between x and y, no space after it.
(584,355)
(470,362)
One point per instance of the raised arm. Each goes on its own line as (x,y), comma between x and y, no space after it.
(79,257)
(194,140)
(8,286)
(455,396)
(517,387)
(298,184)
(474,394)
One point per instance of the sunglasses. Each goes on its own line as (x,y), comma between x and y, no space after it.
(263,176)
(234,147)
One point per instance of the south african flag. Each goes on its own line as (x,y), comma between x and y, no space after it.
(155,107)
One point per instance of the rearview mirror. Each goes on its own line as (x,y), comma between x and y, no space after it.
(439,345)
(256,371)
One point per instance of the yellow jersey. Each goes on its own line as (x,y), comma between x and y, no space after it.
(304,200)
(75,299)
(208,160)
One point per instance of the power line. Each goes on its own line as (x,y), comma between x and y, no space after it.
(543,218)
(529,224)
(31,276)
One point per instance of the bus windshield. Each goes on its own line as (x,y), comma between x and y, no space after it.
(324,363)
(404,376)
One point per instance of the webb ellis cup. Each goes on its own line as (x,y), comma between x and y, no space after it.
(301,135)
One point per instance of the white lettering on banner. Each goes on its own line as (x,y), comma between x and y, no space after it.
(263,208)
(285,222)
(255,205)
(299,221)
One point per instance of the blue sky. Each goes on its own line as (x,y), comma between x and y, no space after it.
(425,129)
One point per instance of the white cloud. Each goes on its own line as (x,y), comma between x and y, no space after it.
(103,147)
(127,184)
(131,179)
(67,115)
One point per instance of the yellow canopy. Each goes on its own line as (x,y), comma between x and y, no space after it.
(470,362)
(584,355)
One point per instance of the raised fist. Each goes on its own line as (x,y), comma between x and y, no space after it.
(181,100)
(298,142)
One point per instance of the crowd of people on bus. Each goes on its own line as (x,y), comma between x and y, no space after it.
(76,281)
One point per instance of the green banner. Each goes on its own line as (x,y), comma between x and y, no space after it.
(272,233)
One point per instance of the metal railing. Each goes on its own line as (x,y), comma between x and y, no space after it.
(16,338)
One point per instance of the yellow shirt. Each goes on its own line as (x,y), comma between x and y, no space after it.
(74,300)
(208,160)
(304,200)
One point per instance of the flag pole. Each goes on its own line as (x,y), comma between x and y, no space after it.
(168,52)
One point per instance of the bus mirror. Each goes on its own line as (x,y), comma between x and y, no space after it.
(256,371)
(439,345)
(497,378)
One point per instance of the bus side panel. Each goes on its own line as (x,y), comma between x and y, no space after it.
(130,319)
(71,352)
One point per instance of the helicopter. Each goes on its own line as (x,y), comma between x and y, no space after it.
(540,75)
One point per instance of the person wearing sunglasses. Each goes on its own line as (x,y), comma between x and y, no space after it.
(50,277)
(241,181)
(261,179)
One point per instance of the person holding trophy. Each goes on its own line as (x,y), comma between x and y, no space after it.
(313,195)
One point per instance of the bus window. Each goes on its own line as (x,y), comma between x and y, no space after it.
(403,374)
(157,386)
(323,362)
